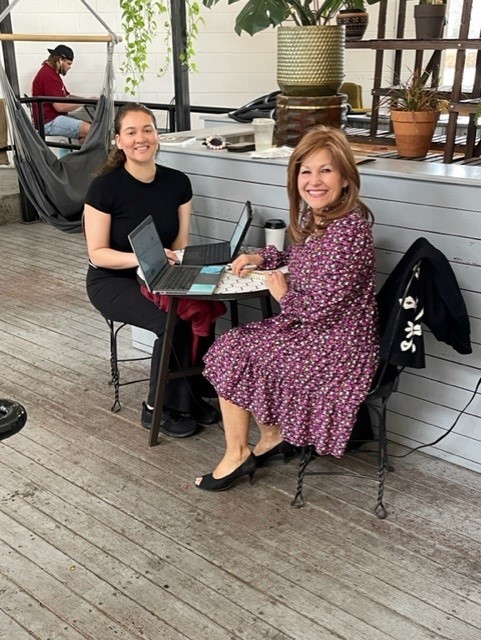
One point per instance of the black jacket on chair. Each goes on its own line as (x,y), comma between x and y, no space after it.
(433,297)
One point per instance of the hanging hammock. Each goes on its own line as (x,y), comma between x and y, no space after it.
(57,186)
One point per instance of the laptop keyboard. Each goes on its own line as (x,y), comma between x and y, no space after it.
(212,253)
(178,278)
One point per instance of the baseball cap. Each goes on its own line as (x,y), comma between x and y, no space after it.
(62,50)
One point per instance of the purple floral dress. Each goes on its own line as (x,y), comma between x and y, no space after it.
(309,368)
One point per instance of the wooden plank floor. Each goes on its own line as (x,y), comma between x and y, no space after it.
(103,537)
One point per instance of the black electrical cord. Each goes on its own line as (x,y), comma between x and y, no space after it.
(431,444)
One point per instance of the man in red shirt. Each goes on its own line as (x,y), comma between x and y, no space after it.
(48,82)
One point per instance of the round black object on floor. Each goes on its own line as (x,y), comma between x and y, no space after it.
(12,418)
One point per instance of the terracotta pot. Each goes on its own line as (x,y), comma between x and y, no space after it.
(413,131)
(310,60)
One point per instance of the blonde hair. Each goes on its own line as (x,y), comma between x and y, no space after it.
(116,157)
(315,140)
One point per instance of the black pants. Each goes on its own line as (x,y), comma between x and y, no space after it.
(119,298)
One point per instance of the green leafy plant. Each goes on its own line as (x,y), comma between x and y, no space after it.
(432,2)
(354,5)
(257,15)
(140,23)
(415,95)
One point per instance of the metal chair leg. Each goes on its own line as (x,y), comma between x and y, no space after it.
(306,456)
(382,463)
(382,455)
(114,364)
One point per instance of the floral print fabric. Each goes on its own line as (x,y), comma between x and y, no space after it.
(309,368)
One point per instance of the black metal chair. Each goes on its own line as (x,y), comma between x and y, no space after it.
(114,364)
(115,360)
(386,382)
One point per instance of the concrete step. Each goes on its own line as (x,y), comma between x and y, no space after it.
(10,209)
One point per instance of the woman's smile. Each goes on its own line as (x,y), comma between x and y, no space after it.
(319,181)
(138,137)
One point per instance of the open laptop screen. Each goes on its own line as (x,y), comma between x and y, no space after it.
(239,229)
(149,250)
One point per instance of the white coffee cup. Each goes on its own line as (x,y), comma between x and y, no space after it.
(263,133)
(275,230)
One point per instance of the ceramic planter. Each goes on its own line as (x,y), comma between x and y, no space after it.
(296,114)
(310,60)
(413,131)
(355,21)
(429,20)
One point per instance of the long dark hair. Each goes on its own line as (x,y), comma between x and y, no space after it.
(335,141)
(116,157)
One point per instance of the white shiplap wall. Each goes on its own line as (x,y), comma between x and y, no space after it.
(408,200)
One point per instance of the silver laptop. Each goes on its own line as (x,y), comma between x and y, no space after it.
(159,275)
(221,252)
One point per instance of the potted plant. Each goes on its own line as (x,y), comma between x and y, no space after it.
(430,18)
(310,50)
(354,17)
(414,109)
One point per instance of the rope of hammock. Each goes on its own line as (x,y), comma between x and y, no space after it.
(12,103)
(10,99)
(56,186)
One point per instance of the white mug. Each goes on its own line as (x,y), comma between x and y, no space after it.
(275,230)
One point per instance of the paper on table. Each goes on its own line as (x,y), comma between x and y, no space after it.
(176,140)
(285,152)
(260,274)
(361,159)
(273,152)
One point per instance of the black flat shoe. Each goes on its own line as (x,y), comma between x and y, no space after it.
(247,468)
(172,423)
(204,412)
(284,448)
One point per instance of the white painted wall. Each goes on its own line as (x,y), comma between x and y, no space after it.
(232,69)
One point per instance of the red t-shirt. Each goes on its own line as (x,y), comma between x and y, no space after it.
(47,82)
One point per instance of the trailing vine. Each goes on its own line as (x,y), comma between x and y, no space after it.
(140,22)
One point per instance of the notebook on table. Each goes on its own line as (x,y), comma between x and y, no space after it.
(162,277)
(220,252)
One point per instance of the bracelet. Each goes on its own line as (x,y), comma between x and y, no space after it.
(215,142)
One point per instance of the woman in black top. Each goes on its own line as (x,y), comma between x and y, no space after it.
(128,188)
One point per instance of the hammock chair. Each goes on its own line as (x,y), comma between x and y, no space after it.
(57,186)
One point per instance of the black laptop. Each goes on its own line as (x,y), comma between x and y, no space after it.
(221,252)
(162,277)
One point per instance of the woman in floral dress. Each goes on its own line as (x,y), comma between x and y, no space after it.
(303,374)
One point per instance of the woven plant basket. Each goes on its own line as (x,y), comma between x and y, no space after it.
(310,60)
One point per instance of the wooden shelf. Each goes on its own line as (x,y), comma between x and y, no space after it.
(454,96)
(398,44)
